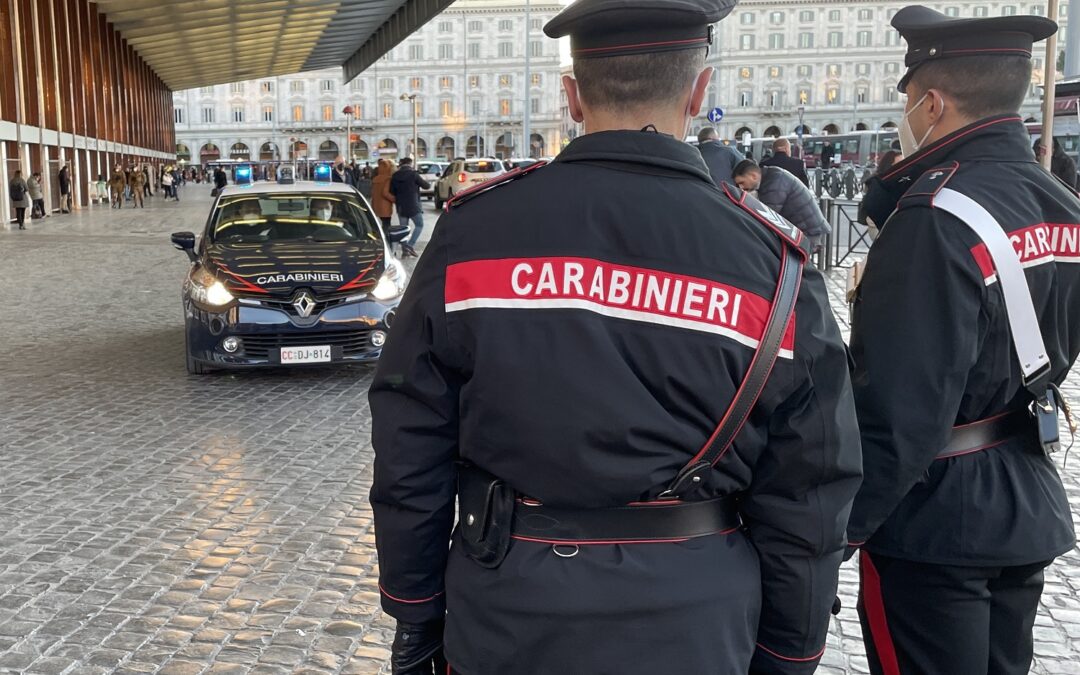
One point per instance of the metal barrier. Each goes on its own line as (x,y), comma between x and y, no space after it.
(848,236)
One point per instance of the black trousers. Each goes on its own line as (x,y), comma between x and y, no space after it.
(931,619)
(20,215)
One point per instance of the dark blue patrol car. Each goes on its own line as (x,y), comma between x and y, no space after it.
(284,274)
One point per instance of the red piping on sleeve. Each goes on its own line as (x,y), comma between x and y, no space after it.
(805,659)
(409,602)
(875,615)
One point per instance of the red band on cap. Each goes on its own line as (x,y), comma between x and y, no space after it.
(668,43)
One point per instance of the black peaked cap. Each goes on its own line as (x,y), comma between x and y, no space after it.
(932,36)
(600,28)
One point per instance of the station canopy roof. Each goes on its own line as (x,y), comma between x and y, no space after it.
(198,43)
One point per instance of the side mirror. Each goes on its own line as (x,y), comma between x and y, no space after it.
(185,241)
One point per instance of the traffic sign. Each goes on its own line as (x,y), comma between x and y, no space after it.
(716,114)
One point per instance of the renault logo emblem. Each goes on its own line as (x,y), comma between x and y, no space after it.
(304,304)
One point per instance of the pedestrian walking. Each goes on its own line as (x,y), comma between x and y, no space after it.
(138,185)
(167,184)
(102,188)
(64,178)
(565,363)
(19,194)
(785,194)
(826,156)
(117,186)
(146,183)
(382,200)
(964,324)
(37,196)
(220,181)
(405,185)
(781,157)
(721,159)
(1061,165)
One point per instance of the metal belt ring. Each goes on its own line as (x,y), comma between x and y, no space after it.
(555,549)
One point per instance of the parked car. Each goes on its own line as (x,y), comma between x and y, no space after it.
(519,163)
(430,171)
(463,174)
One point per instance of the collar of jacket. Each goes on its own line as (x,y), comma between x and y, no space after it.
(998,138)
(637,147)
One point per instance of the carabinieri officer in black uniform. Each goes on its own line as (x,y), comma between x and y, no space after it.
(961,508)
(635,388)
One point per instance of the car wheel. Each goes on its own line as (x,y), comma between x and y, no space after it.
(438,203)
(194,367)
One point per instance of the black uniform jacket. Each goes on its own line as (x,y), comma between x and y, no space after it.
(796,167)
(579,332)
(932,348)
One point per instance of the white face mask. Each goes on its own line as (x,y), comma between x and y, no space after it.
(908,145)
(324,214)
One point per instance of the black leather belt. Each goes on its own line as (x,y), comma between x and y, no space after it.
(987,433)
(661,521)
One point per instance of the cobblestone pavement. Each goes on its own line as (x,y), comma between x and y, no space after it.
(155,522)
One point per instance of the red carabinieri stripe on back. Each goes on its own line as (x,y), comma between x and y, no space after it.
(874,606)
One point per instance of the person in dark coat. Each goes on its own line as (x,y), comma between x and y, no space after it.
(65,189)
(220,179)
(37,196)
(19,194)
(782,158)
(783,193)
(568,357)
(962,508)
(405,185)
(1061,165)
(720,158)
(826,156)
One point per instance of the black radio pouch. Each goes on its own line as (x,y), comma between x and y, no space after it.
(485,515)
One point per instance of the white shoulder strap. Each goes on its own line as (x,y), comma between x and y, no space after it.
(1023,323)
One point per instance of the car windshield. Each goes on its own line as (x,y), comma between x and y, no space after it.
(482,167)
(321,217)
(430,168)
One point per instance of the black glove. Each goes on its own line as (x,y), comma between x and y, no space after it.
(417,649)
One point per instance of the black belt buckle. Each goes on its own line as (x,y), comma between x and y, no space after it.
(1045,411)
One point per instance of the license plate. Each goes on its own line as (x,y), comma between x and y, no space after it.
(305,354)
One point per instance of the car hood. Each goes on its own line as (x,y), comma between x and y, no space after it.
(280,268)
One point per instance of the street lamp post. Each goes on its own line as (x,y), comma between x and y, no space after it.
(802,111)
(348,112)
(526,131)
(411,98)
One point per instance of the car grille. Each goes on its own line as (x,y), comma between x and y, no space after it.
(321,305)
(262,345)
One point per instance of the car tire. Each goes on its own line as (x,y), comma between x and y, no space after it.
(438,203)
(194,367)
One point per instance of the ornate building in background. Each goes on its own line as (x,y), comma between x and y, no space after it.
(464,72)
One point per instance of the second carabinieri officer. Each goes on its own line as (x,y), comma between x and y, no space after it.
(965,320)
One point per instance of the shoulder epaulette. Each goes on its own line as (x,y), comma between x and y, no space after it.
(787,232)
(509,176)
(926,186)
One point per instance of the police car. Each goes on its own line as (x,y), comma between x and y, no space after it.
(288,273)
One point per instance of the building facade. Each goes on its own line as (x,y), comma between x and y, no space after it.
(462,74)
(72,91)
(837,61)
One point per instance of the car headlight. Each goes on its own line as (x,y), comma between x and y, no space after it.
(392,282)
(207,290)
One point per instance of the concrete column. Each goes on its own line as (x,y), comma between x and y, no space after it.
(1072,40)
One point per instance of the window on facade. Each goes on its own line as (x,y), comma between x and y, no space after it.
(776,17)
(775,71)
(862,95)
(236,88)
(534,106)
(446,82)
(746,18)
(506,25)
(268,113)
(804,96)
(832,95)
(892,38)
(980,11)
(776,41)
(774,99)
(806,40)
(834,70)
(446,108)
(505,107)
(892,68)
(746,41)
(416,52)
(952,11)
(446,27)
(206,91)
(862,69)
(267,87)
(474,81)
(178,115)
(834,16)
(326,86)
(536,48)
(418,107)
(357,85)
(805,71)
(1008,10)
(474,50)
(537,79)
(506,50)
(891,13)
(1063,9)
(890,94)
(746,73)
(506,80)
(746,99)
(476,26)
(237,114)
(806,16)
(474,107)
(866,14)
(446,51)
(296,87)
(298,113)
(387,110)
(862,38)
(836,39)
(415,83)
(328,113)
(386,84)
(208,115)
(1038,10)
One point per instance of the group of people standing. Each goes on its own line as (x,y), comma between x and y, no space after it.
(30,194)
(130,184)
(399,187)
